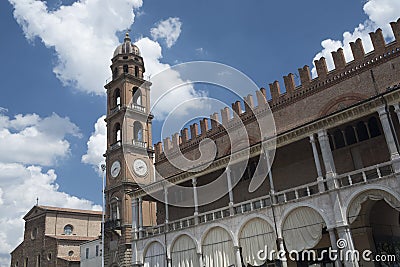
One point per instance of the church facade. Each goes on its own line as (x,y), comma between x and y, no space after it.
(333,182)
(52,236)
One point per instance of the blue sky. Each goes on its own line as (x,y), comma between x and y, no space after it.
(263,39)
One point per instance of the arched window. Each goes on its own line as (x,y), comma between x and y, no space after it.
(26,263)
(115,73)
(68,229)
(125,67)
(138,131)
(373,127)
(362,131)
(136,96)
(136,71)
(350,135)
(114,209)
(118,134)
(338,139)
(117,98)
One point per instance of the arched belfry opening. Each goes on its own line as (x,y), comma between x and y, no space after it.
(136,71)
(117,133)
(136,96)
(117,98)
(138,131)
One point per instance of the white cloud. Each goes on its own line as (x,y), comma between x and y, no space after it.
(152,54)
(27,143)
(33,182)
(80,35)
(96,145)
(168,29)
(29,139)
(84,42)
(380,14)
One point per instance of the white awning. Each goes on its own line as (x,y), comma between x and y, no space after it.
(302,229)
(183,253)
(218,248)
(155,256)
(256,235)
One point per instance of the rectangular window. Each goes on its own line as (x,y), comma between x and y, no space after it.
(97,250)
(87,253)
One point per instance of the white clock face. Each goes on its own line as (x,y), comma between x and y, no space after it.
(115,168)
(140,167)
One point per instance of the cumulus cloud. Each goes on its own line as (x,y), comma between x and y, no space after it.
(96,146)
(82,39)
(168,29)
(29,142)
(380,13)
(162,84)
(29,139)
(33,182)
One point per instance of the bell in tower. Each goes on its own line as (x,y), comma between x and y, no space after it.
(129,155)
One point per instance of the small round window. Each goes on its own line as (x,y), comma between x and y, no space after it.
(70,253)
(68,229)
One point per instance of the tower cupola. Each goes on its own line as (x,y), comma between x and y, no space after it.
(127,47)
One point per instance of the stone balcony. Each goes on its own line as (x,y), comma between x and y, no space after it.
(336,200)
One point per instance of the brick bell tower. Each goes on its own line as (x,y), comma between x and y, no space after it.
(129,155)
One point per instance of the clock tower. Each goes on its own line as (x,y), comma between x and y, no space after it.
(129,155)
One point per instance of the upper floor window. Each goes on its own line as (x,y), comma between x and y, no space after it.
(114,209)
(118,133)
(34,233)
(115,72)
(136,71)
(126,68)
(138,131)
(352,134)
(97,250)
(136,96)
(117,97)
(87,253)
(68,229)
(374,127)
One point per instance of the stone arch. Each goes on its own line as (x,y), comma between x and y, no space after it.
(353,205)
(250,217)
(218,247)
(301,227)
(215,225)
(286,213)
(137,96)
(185,253)
(148,246)
(138,131)
(254,235)
(341,102)
(177,236)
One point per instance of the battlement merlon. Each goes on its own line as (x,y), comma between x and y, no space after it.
(361,59)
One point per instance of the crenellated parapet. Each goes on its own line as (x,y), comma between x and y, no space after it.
(280,99)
